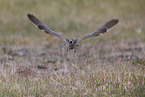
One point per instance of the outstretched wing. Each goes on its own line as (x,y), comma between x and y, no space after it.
(105,28)
(43,27)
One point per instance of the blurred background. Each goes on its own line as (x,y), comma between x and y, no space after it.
(70,18)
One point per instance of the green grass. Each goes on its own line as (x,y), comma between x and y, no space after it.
(75,18)
(109,65)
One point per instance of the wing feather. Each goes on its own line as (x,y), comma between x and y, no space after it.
(36,22)
(105,28)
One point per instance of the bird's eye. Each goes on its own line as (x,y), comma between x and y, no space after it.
(70,42)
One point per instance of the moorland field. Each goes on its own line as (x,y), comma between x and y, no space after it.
(35,64)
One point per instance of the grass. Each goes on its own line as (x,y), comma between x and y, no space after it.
(94,80)
(34,64)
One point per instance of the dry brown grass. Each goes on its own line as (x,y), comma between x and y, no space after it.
(42,71)
(35,64)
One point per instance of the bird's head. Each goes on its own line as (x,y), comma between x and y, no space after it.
(71,41)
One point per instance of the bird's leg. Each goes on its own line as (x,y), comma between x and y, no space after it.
(76,53)
(67,49)
(74,50)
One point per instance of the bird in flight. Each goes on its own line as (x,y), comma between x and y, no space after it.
(70,43)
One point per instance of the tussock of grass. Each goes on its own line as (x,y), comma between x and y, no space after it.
(92,81)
